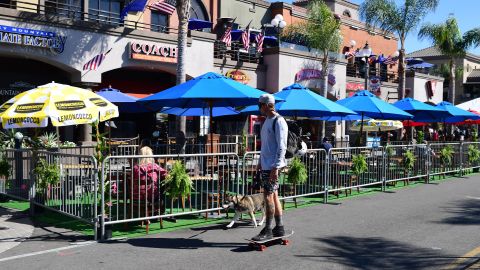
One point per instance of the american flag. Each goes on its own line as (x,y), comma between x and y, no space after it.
(372,59)
(165,6)
(227,36)
(391,60)
(95,62)
(246,37)
(259,39)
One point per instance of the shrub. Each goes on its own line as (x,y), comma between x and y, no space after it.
(297,173)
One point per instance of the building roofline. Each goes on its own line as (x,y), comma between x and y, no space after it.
(468,55)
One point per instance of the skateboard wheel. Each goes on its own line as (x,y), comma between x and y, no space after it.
(285,242)
(262,247)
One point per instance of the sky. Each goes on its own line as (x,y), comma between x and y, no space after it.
(465,11)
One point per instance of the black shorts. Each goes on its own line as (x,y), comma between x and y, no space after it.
(268,186)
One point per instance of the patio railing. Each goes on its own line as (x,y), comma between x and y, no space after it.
(125,194)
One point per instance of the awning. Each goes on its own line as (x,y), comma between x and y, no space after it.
(195,24)
(474,76)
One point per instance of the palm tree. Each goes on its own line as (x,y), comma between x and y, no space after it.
(183,12)
(449,40)
(322,32)
(401,20)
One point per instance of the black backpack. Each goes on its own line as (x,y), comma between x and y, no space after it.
(294,140)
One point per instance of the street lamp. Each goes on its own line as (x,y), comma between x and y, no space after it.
(278,23)
(365,53)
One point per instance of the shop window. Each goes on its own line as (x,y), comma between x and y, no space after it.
(159,22)
(65,8)
(106,11)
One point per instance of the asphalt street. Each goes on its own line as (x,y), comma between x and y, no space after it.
(431,226)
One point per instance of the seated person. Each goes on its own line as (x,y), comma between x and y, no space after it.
(326,145)
(146,174)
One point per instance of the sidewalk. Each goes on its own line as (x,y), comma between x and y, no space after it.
(15,227)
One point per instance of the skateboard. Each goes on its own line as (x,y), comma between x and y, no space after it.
(262,245)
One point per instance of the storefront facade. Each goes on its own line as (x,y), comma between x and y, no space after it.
(140,56)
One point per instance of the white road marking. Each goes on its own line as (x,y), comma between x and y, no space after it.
(45,251)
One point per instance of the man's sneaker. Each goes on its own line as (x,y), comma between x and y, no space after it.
(278,231)
(264,234)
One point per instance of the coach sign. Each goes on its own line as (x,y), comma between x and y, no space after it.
(153,52)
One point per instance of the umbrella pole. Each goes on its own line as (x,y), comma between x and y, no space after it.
(361,131)
(57,130)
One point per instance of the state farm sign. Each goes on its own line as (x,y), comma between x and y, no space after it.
(153,52)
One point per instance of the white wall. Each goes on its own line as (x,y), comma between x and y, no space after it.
(417,84)
(81,46)
(282,68)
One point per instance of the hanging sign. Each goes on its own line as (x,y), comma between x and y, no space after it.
(153,52)
(331,79)
(33,38)
(238,75)
(375,84)
(308,74)
(355,86)
(431,85)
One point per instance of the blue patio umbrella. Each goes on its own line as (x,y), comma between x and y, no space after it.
(302,102)
(455,114)
(216,111)
(421,112)
(413,61)
(367,104)
(421,65)
(194,24)
(125,103)
(206,91)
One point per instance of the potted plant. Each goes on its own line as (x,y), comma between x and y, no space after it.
(297,175)
(408,163)
(446,156)
(359,166)
(47,175)
(178,184)
(473,156)
(420,136)
(5,168)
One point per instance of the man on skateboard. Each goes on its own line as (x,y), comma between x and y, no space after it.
(272,158)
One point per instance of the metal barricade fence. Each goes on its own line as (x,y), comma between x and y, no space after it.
(170,149)
(18,181)
(315,164)
(444,162)
(471,155)
(397,167)
(75,193)
(341,165)
(132,187)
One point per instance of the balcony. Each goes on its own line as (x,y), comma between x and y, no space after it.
(75,12)
(356,70)
(236,52)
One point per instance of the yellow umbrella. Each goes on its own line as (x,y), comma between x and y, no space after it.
(65,105)
(376,125)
